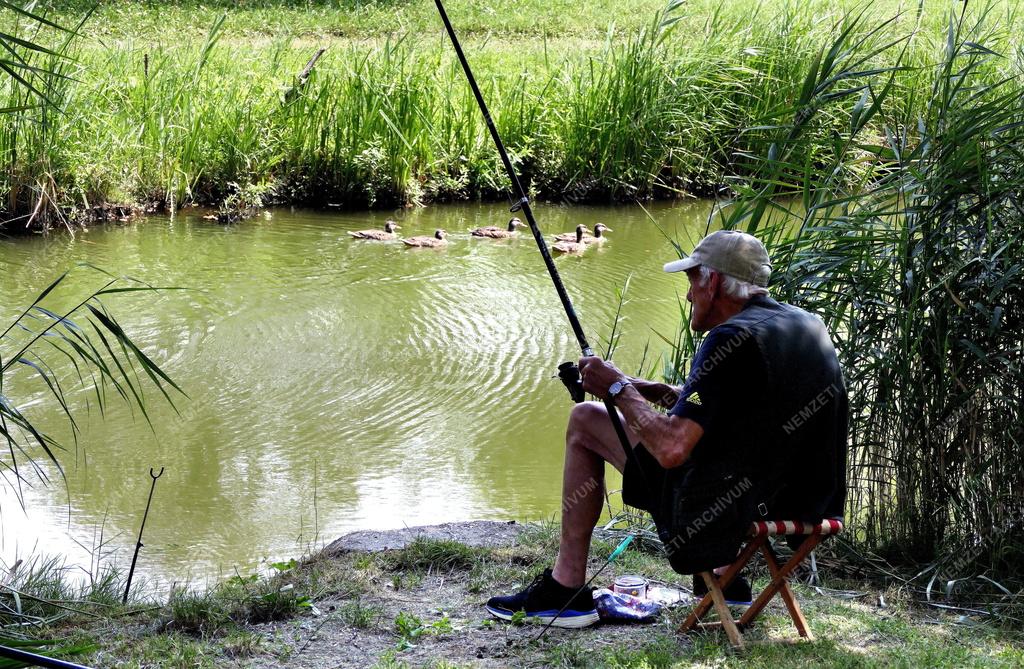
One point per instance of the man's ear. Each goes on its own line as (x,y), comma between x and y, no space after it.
(715,284)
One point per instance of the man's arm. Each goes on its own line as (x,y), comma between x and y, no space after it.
(658,394)
(670,439)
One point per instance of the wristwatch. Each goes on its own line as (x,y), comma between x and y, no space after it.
(617,387)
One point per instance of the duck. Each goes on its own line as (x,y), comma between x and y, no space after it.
(494,232)
(380,235)
(578,246)
(598,236)
(573,236)
(436,241)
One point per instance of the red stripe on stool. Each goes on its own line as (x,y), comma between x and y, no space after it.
(759,528)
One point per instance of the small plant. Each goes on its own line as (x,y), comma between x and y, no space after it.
(442,626)
(363,562)
(241,644)
(410,628)
(568,655)
(661,653)
(432,555)
(406,580)
(242,202)
(389,661)
(240,599)
(360,615)
(197,612)
(282,567)
(256,600)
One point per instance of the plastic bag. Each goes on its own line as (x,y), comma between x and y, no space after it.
(620,607)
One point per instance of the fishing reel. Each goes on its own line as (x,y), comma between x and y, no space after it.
(569,374)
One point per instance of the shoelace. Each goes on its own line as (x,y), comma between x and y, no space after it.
(538,580)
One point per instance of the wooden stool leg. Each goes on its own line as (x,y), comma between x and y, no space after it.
(787,595)
(778,579)
(705,604)
(722,609)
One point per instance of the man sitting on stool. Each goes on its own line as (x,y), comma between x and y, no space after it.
(758,428)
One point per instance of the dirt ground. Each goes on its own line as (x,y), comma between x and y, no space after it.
(475,639)
(414,598)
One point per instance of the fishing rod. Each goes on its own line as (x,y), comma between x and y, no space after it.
(36,660)
(568,372)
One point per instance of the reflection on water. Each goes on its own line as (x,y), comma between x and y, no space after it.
(333,384)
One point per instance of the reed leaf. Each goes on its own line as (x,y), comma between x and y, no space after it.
(101,355)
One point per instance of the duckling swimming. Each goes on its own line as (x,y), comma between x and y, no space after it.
(436,241)
(494,232)
(573,236)
(380,235)
(598,236)
(578,246)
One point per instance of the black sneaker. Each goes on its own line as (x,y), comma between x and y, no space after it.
(543,599)
(738,593)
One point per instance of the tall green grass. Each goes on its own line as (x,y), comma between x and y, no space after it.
(36,85)
(656,110)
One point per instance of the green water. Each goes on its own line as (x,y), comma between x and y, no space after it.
(332,384)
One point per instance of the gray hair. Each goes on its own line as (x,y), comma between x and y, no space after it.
(731,286)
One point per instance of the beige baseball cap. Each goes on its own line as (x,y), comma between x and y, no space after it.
(730,252)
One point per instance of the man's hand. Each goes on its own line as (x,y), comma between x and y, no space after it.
(598,375)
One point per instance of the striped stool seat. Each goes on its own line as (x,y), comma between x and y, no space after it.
(772,528)
(758,540)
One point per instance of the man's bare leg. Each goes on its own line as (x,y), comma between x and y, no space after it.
(590,441)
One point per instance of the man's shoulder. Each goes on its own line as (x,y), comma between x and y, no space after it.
(764,314)
(726,338)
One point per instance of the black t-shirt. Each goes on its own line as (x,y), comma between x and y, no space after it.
(767,389)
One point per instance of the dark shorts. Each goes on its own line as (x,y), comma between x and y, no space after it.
(643,480)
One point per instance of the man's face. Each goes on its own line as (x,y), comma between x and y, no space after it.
(701,297)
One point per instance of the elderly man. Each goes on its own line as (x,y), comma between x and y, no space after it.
(758,428)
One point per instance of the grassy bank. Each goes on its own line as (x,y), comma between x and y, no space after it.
(169,105)
(422,606)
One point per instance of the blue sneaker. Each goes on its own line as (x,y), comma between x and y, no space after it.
(543,599)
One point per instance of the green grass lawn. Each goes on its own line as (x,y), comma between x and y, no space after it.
(493,19)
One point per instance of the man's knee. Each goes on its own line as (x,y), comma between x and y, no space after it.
(584,417)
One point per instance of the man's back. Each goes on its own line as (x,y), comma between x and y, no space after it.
(767,390)
(805,429)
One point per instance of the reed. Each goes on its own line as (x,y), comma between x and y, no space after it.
(903,231)
(37,86)
(57,349)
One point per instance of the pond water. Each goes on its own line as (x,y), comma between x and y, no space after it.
(332,384)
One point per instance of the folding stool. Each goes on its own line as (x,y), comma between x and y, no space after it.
(757,539)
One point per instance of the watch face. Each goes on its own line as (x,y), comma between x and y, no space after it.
(615,388)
